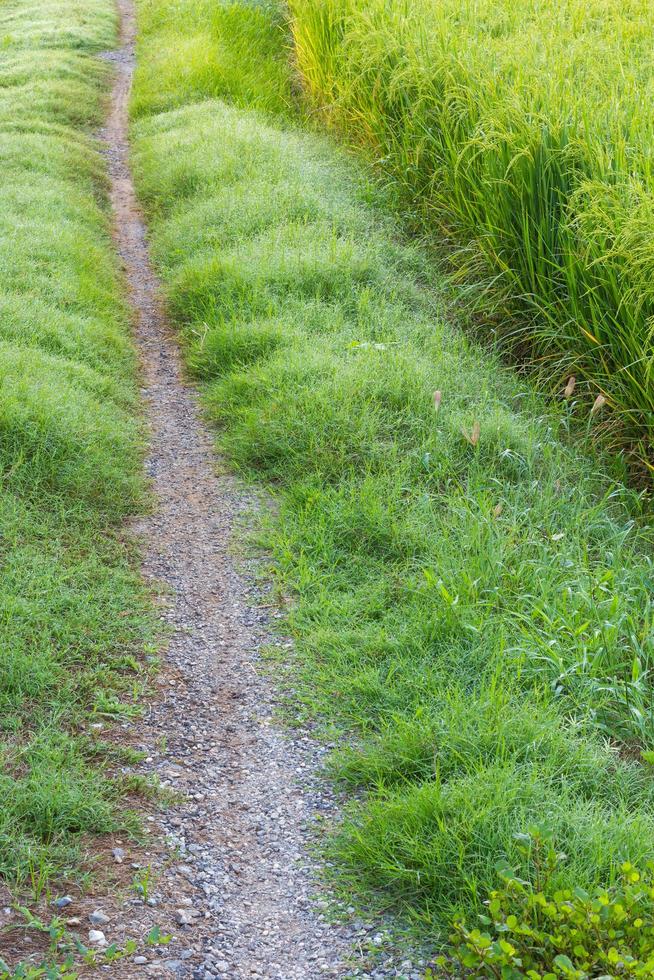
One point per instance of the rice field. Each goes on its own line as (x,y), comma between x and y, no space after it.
(521,132)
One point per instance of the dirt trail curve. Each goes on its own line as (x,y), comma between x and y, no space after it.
(245,882)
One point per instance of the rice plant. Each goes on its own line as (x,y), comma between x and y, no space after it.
(522,131)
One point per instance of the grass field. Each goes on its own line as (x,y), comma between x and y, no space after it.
(520,131)
(473,615)
(73,611)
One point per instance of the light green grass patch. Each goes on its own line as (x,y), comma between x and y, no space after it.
(74,613)
(205,51)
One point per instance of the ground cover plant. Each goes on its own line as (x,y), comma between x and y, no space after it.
(533,930)
(472,592)
(73,611)
(521,131)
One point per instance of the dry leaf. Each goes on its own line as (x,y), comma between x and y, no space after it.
(497,509)
(473,437)
(597,404)
(558,536)
(570,387)
(437,400)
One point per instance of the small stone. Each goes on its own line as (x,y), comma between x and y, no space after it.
(119,855)
(98,918)
(96,936)
(185,917)
(62,902)
(74,921)
(222,966)
(140,960)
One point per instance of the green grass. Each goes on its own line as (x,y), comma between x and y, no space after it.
(74,613)
(520,132)
(212,58)
(473,623)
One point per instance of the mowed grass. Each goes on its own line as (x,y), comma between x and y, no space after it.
(74,614)
(520,131)
(472,594)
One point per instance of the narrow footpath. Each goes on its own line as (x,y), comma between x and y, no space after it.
(242,879)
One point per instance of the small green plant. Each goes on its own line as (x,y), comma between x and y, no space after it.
(38,873)
(141,883)
(65,951)
(534,930)
(157,938)
(24,971)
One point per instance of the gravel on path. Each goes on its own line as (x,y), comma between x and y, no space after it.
(243,881)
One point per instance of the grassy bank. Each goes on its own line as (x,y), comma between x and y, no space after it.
(73,613)
(473,596)
(520,131)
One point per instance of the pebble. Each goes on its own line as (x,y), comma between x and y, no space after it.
(97,937)
(186,917)
(98,918)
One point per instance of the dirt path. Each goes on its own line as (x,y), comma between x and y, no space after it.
(242,880)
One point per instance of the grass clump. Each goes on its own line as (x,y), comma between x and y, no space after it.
(73,609)
(520,131)
(473,594)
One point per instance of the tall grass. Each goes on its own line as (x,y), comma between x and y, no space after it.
(522,131)
(472,612)
(73,614)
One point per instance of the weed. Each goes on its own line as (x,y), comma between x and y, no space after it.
(66,953)
(141,882)
(157,938)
